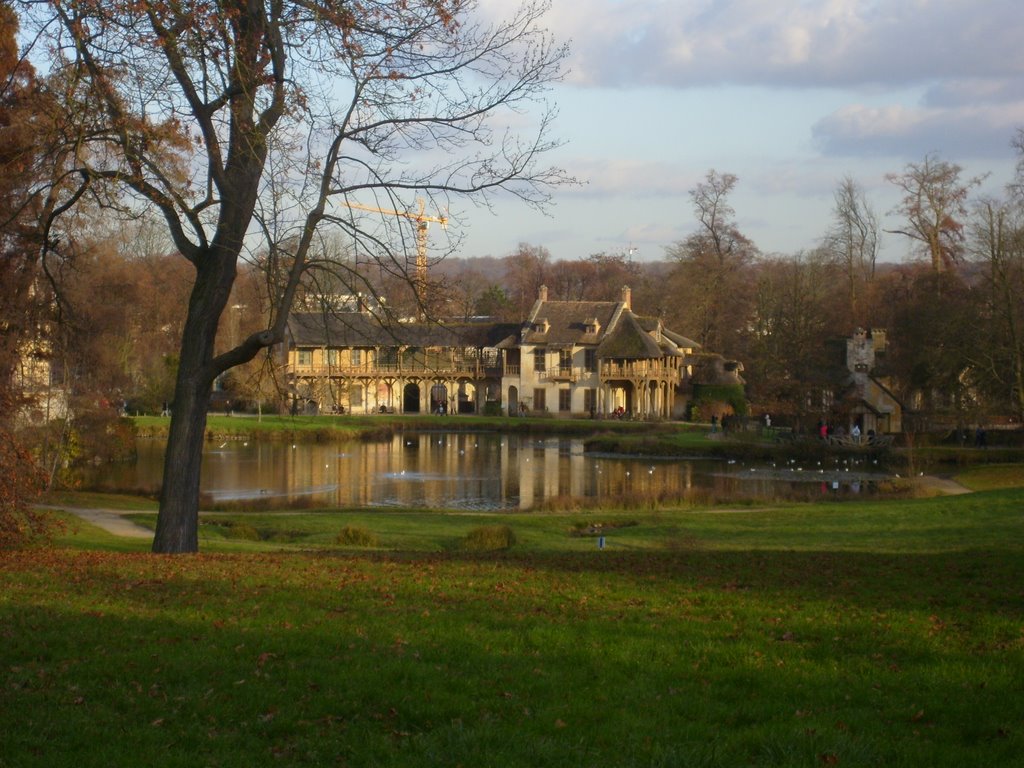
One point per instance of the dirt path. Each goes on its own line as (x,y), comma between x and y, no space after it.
(941,485)
(110,520)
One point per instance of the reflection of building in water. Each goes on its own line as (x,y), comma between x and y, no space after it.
(466,470)
(444,470)
(552,469)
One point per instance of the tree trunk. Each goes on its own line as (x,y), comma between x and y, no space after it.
(177,528)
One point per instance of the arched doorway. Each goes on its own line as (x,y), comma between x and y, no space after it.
(411,398)
(513,401)
(467,397)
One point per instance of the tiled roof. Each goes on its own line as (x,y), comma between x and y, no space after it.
(566,322)
(619,333)
(362,329)
(675,340)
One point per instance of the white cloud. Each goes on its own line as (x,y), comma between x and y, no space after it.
(973,131)
(961,92)
(830,43)
(790,96)
(626,177)
(962,58)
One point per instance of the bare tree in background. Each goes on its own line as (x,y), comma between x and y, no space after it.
(712,285)
(245,123)
(1016,185)
(934,206)
(852,242)
(526,271)
(997,246)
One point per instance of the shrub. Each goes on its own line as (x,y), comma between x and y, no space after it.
(21,481)
(243,531)
(488,538)
(354,536)
(719,398)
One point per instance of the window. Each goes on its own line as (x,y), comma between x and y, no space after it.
(540,360)
(564,400)
(590,360)
(565,359)
(539,400)
(590,400)
(332,357)
(356,356)
(305,357)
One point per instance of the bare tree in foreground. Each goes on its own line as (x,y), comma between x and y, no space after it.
(244,123)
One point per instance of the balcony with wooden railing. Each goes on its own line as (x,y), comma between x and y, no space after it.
(563,373)
(439,368)
(638,369)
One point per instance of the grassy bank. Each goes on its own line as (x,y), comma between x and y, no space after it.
(845,634)
(312,427)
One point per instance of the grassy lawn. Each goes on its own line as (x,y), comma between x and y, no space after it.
(852,634)
(991,477)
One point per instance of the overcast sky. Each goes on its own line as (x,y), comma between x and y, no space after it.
(790,96)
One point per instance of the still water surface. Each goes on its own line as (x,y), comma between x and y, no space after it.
(472,471)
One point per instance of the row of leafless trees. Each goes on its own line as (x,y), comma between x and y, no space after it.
(954,316)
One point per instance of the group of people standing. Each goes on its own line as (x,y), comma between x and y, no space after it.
(826,431)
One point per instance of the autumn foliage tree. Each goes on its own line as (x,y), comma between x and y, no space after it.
(22,154)
(244,124)
(19,156)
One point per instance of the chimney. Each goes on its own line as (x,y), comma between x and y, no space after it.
(542,293)
(627,297)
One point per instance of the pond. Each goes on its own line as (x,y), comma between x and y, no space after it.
(473,471)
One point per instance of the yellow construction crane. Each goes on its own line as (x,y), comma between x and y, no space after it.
(422,224)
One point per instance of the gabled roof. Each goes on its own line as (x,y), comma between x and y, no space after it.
(673,343)
(683,342)
(566,322)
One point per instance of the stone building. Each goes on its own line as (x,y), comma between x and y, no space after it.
(570,358)
(865,396)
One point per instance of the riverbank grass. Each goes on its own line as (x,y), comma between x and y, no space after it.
(846,634)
